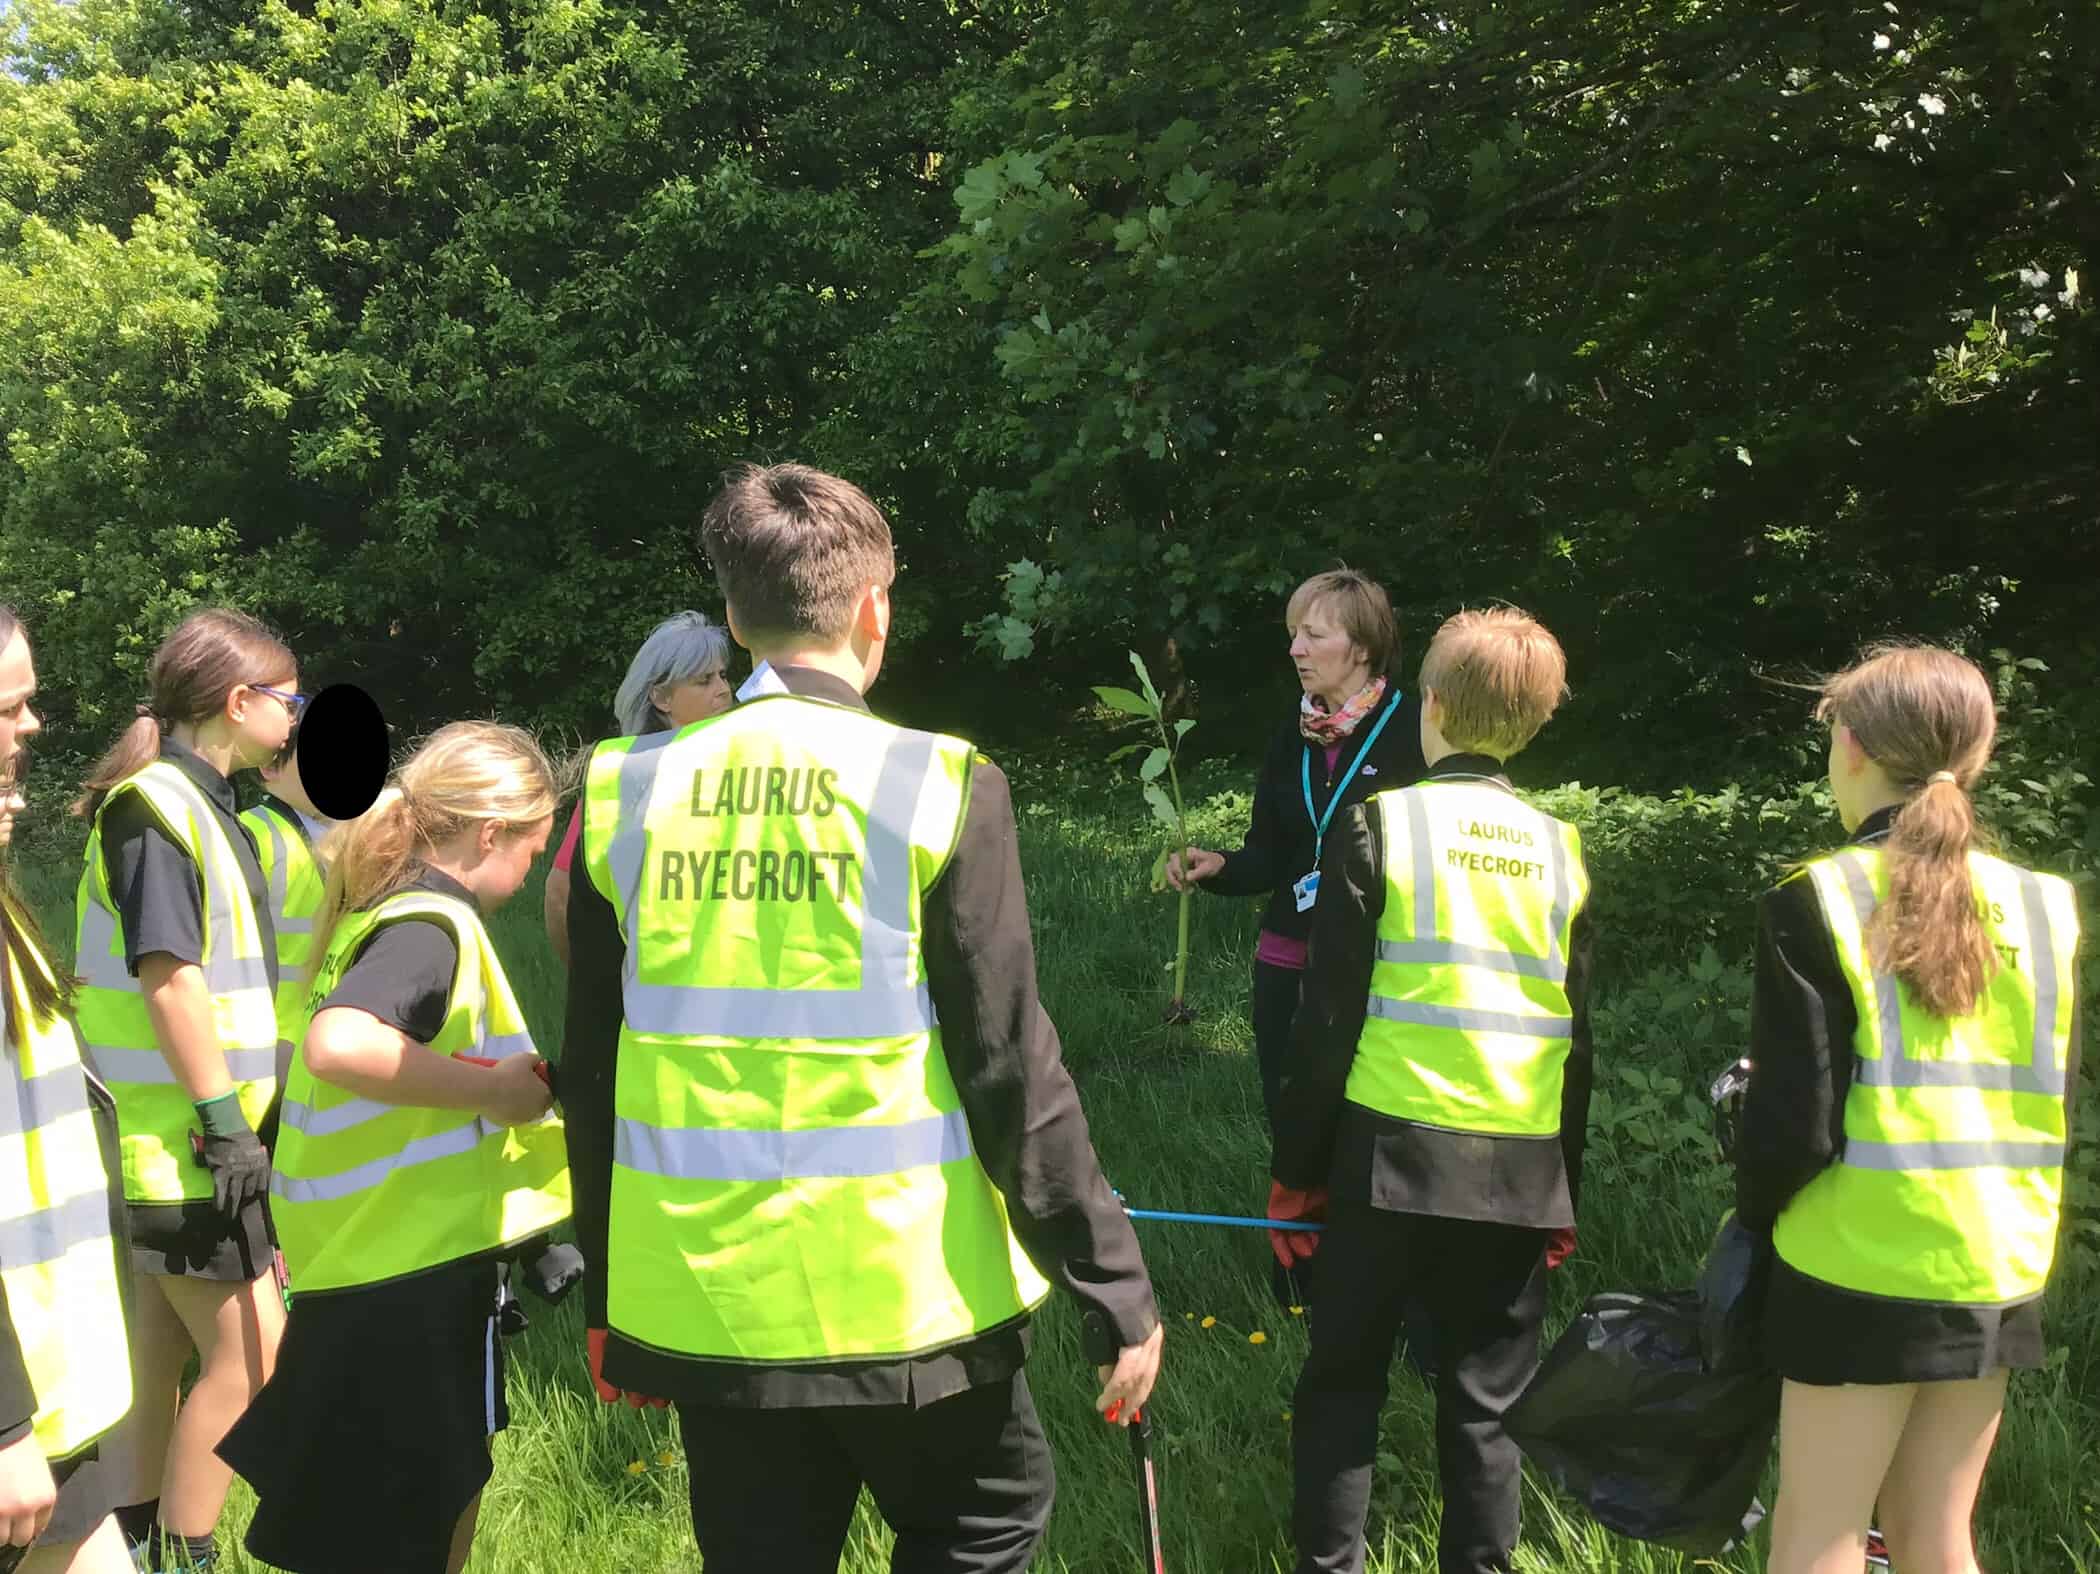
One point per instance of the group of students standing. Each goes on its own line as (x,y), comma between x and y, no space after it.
(824,1160)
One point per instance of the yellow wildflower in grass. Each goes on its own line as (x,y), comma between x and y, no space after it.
(1191,1316)
(1257,1337)
(1286,1415)
(667,1459)
(1210,1322)
(1297,1311)
(635,1467)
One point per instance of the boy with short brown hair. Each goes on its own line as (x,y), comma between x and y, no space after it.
(1437,1090)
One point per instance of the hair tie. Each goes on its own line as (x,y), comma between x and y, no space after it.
(1941,776)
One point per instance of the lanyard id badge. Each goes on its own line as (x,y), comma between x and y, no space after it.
(1305,890)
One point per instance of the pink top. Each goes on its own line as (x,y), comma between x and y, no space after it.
(566,853)
(1281,950)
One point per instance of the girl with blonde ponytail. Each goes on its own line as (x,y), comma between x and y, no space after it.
(1914,1037)
(417,1154)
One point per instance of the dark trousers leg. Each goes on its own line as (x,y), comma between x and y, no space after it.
(1487,1302)
(1272,1004)
(1357,1311)
(772,1490)
(966,1482)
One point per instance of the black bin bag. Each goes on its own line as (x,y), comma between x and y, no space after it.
(1624,1415)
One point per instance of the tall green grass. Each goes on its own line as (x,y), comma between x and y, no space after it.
(582,1488)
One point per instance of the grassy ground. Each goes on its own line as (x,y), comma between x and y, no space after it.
(1177,1119)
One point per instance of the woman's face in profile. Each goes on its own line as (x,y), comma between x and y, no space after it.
(1326,659)
(693,699)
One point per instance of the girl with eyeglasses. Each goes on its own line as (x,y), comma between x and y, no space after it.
(177,1013)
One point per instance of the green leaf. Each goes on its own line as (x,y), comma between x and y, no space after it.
(1183,727)
(1126,752)
(1155,766)
(1137,663)
(1125,701)
(1162,806)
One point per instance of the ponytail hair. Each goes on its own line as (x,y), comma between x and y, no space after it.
(209,655)
(1926,717)
(20,934)
(465,773)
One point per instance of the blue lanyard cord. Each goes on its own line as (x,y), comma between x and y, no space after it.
(1320,822)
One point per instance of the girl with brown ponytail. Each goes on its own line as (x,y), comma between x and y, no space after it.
(1915,1037)
(178,964)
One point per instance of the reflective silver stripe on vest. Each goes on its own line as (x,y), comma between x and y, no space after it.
(101,961)
(43,1100)
(1862,1154)
(1553,966)
(713,1153)
(1467,1020)
(339,1118)
(142,1066)
(363,1177)
(48,1234)
(888,1003)
(1430,953)
(1896,1067)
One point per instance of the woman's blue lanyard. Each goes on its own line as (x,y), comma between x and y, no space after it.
(1320,821)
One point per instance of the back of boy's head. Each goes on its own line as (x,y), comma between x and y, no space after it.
(1498,675)
(793,549)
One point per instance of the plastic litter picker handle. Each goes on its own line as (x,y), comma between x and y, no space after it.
(1140,1430)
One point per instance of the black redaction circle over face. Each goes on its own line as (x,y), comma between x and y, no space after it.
(342,751)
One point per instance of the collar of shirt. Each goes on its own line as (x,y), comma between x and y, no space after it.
(1875,827)
(763,680)
(312,829)
(440,883)
(193,765)
(809,683)
(1479,765)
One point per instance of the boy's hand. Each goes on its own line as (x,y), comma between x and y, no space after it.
(1310,1207)
(27,1492)
(1560,1246)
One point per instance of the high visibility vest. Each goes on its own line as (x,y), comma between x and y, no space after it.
(297,885)
(1950,1184)
(364,1191)
(793,1173)
(58,1260)
(1468,1022)
(154,1114)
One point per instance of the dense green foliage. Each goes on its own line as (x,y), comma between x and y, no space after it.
(1176,1115)
(1723,333)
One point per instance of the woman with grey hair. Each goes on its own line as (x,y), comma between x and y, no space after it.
(678,677)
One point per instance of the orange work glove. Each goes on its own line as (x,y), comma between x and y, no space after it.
(1293,1246)
(1560,1246)
(594,1340)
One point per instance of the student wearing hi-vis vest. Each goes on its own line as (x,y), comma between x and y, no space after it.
(1914,1034)
(1434,1101)
(288,829)
(65,1377)
(177,1010)
(827,1152)
(416,1153)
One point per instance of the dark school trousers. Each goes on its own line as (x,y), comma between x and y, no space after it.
(1483,1288)
(1272,1004)
(966,1482)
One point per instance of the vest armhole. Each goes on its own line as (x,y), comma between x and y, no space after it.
(962,812)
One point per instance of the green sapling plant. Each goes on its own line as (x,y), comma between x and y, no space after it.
(1166,805)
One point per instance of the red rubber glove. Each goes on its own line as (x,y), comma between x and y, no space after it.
(1560,1246)
(594,1340)
(1293,1246)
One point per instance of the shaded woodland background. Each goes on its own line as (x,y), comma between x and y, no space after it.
(1724,335)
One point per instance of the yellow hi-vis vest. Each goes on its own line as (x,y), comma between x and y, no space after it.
(793,1175)
(1950,1183)
(154,1112)
(57,1257)
(297,886)
(1468,1022)
(364,1191)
